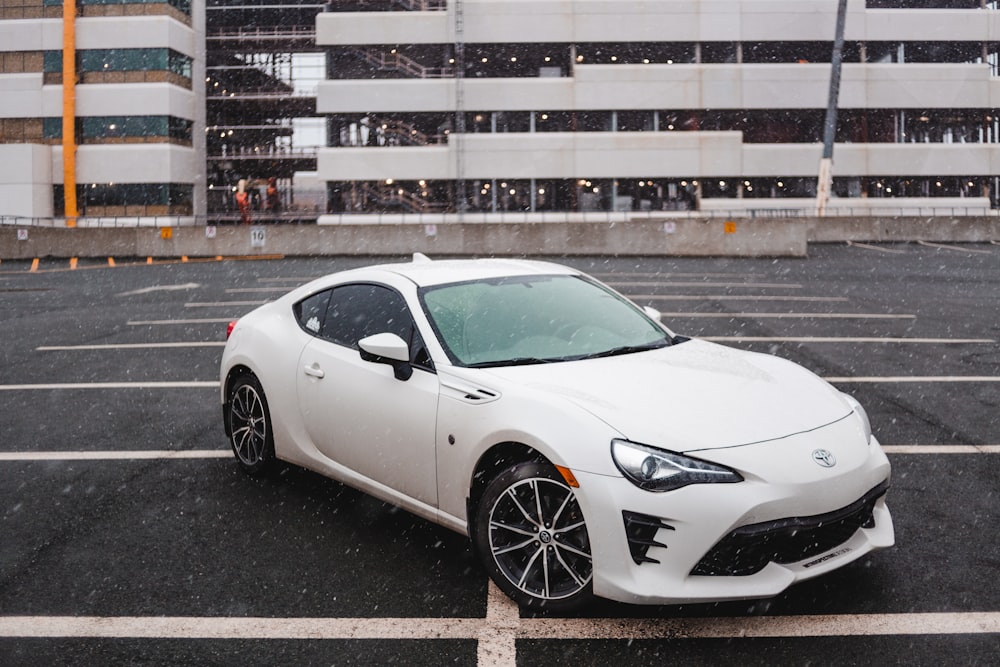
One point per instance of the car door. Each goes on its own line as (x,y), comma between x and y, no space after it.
(356,412)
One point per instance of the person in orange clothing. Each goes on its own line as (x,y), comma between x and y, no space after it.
(243,201)
(272,200)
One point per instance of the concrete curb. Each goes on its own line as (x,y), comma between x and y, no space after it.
(743,237)
(689,237)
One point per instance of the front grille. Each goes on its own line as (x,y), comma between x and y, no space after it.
(748,549)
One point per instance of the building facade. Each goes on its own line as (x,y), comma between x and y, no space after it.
(102,95)
(673,105)
(493,106)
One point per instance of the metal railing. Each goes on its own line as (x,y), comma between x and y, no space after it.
(393,132)
(260,33)
(388,196)
(422,212)
(397,62)
(424,5)
(269,152)
(304,94)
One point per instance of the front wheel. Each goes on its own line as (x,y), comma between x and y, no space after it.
(532,537)
(250,425)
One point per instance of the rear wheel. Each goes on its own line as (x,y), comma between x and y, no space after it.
(532,537)
(250,425)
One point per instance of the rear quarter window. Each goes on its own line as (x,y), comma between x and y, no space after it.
(311,312)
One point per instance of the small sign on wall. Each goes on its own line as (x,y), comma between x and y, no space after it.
(22,235)
(210,232)
(258,237)
(729,227)
(166,233)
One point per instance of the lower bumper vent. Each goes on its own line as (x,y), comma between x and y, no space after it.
(748,549)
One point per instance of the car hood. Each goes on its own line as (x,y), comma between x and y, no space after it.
(692,396)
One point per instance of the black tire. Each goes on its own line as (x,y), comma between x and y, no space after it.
(530,533)
(250,426)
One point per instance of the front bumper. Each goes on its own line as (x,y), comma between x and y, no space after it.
(790,520)
(748,549)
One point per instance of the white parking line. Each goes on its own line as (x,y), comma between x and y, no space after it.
(867,246)
(917,378)
(497,640)
(941,449)
(210,320)
(111,385)
(818,316)
(221,304)
(290,279)
(128,346)
(942,246)
(497,634)
(674,274)
(846,339)
(160,288)
(134,455)
(692,283)
(735,297)
(501,638)
(834,625)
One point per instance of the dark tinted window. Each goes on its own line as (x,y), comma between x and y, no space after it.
(311,311)
(358,311)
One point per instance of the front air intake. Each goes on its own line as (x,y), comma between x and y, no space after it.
(640,531)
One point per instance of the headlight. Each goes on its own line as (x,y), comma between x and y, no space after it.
(658,470)
(862,415)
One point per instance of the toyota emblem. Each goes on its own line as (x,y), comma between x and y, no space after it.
(824,458)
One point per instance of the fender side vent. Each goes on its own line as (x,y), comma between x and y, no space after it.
(640,531)
(480,395)
(469,392)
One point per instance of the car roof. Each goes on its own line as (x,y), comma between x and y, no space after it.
(425,272)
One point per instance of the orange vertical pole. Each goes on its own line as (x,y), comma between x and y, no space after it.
(69,111)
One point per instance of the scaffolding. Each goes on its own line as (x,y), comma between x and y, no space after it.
(261,75)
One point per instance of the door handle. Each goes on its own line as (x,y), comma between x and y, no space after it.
(314,371)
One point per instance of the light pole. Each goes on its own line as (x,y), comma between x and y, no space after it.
(825,182)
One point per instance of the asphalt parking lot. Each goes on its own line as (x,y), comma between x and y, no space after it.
(129,536)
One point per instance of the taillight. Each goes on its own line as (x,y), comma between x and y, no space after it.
(229,328)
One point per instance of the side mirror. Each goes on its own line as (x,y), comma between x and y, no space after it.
(657,316)
(388,348)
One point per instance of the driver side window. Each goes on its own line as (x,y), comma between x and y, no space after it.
(361,310)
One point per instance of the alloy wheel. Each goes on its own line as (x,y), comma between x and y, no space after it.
(538,539)
(248,423)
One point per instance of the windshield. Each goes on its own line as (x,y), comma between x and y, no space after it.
(535,319)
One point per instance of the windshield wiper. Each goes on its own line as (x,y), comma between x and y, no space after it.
(630,349)
(516,361)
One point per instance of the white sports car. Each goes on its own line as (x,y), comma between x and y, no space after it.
(582,446)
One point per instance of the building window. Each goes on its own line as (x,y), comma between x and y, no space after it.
(635,53)
(183,6)
(924,4)
(719,52)
(21,131)
(27,9)
(129,199)
(124,129)
(924,52)
(20,62)
(116,65)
